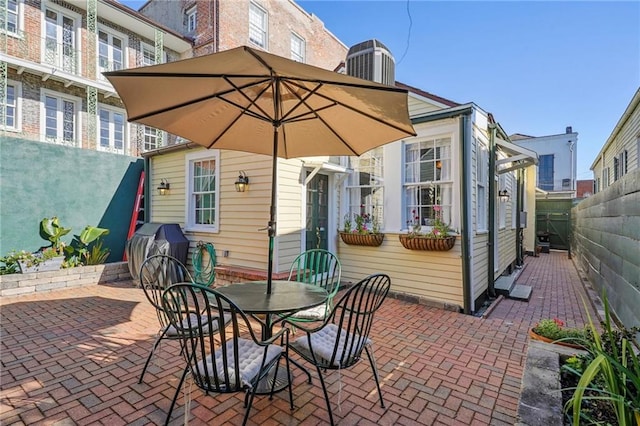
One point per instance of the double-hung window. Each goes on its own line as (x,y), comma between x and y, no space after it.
(112,129)
(192,19)
(482,187)
(428,182)
(11,107)
(60,119)
(365,187)
(203,191)
(60,50)
(298,48)
(110,51)
(258,25)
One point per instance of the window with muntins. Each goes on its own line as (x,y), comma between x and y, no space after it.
(12,22)
(258,25)
(192,19)
(110,52)
(112,129)
(482,187)
(60,41)
(153,138)
(545,172)
(60,120)
(427,181)
(203,190)
(11,107)
(365,190)
(298,47)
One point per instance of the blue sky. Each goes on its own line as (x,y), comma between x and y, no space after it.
(537,66)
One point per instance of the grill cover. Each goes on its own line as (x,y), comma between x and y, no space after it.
(155,238)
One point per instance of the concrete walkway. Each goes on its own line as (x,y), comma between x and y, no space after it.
(74,357)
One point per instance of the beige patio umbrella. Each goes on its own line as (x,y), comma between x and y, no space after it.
(248,100)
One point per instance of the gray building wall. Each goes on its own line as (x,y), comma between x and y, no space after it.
(606,243)
(81,187)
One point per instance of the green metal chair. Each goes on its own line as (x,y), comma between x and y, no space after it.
(316,267)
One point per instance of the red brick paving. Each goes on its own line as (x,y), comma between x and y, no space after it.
(74,357)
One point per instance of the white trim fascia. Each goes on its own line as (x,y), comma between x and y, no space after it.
(424,99)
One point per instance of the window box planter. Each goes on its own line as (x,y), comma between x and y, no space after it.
(52,264)
(422,242)
(536,336)
(354,239)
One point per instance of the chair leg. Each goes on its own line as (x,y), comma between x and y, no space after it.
(290,382)
(175,397)
(326,395)
(248,409)
(375,375)
(153,350)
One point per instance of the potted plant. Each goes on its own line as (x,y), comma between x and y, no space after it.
(366,231)
(554,331)
(438,238)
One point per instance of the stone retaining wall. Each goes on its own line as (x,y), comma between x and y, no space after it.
(17,284)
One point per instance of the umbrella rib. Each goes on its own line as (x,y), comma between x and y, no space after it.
(251,101)
(342,104)
(195,101)
(301,99)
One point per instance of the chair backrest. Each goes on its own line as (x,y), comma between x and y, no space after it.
(157,273)
(318,267)
(353,318)
(191,308)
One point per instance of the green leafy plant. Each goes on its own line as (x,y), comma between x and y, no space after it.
(554,329)
(13,257)
(80,252)
(439,229)
(51,231)
(365,223)
(611,373)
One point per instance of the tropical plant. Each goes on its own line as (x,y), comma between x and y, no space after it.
(610,372)
(79,252)
(51,231)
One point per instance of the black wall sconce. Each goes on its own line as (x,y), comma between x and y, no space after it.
(163,187)
(242,183)
(503,195)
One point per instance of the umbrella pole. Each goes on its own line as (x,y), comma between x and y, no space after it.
(272,211)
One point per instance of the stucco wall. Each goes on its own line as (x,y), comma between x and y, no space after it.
(81,187)
(606,244)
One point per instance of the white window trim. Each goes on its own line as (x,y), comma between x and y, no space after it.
(77,30)
(18,118)
(125,142)
(264,30)
(125,48)
(442,183)
(19,33)
(162,138)
(43,115)
(303,55)
(189,225)
(192,12)
(152,48)
(483,227)
(348,202)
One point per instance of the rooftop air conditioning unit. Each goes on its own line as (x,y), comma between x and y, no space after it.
(371,60)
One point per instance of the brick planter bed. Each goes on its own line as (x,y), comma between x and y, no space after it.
(35,282)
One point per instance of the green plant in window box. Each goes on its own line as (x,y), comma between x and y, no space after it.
(363,230)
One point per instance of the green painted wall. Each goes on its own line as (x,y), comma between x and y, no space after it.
(80,186)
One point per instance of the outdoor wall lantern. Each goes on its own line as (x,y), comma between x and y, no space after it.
(164,187)
(503,195)
(242,183)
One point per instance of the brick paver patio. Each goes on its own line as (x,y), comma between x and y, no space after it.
(74,357)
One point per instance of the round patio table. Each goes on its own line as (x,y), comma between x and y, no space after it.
(287,297)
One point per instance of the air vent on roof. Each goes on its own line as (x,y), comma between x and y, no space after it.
(371,60)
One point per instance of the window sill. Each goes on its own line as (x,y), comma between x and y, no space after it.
(202,229)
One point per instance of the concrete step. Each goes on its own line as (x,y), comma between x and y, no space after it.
(504,284)
(520,292)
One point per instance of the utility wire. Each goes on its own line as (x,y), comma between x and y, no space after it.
(408,35)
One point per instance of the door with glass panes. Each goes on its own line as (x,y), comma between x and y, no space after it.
(317,212)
